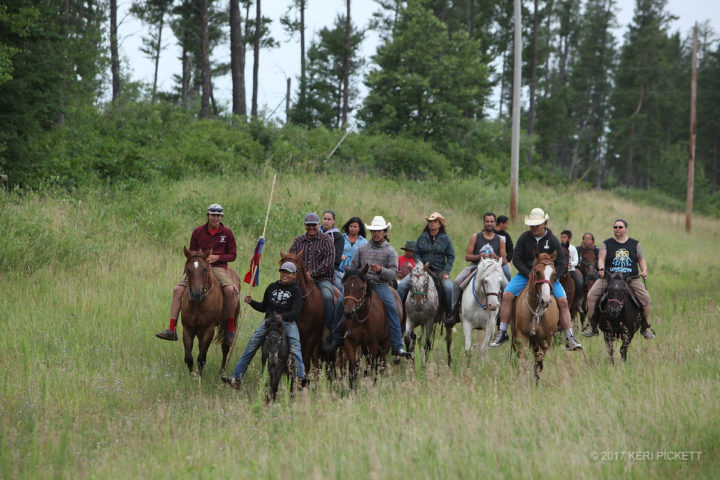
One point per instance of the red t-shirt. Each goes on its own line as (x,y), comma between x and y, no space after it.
(405,265)
(222,243)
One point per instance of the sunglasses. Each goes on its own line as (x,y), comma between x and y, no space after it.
(618,226)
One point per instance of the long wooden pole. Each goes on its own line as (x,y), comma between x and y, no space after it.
(252,279)
(691,160)
(515,142)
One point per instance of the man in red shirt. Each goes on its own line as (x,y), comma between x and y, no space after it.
(216,236)
(406,262)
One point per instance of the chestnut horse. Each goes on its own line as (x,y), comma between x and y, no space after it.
(202,309)
(619,316)
(366,329)
(535,312)
(587,267)
(310,323)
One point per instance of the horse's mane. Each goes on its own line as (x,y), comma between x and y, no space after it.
(354,273)
(544,258)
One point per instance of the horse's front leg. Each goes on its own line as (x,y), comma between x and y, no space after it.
(448,344)
(203,346)
(610,345)
(353,367)
(188,343)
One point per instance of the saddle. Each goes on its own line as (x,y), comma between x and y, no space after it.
(440,290)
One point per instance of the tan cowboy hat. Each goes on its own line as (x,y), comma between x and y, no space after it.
(437,216)
(378,223)
(537,216)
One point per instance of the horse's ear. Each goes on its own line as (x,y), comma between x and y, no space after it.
(186,251)
(365,269)
(537,254)
(207,253)
(554,255)
(426,267)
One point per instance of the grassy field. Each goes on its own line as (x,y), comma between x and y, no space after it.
(90,393)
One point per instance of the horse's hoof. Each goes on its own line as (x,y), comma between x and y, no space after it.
(194,373)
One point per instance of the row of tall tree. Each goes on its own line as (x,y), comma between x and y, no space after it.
(606,109)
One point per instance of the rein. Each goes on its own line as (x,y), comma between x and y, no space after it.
(424,292)
(358,303)
(487,294)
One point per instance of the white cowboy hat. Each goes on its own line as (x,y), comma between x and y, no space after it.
(537,216)
(378,223)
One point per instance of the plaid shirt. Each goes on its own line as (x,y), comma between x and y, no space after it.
(383,254)
(318,255)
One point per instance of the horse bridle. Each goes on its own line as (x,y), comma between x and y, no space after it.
(425,287)
(358,302)
(487,294)
(204,291)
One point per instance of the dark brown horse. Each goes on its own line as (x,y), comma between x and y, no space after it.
(366,330)
(587,266)
(535,312)
(203,309)
(310,323)
(619,316)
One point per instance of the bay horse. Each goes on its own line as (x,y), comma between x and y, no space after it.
(202,309)
(310,323)
(422,307)
(366,330)
(535,312)
(619,316)
(568,284)
(481,302)
(588,268)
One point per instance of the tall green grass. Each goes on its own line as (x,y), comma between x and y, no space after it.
(90,393)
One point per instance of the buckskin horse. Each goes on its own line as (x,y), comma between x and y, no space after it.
(422,308)
(535,312)
(310,323)
(202,309)
(366,330)
(619,315)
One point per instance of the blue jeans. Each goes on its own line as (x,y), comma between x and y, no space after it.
(337,281)
(506,271)
(256,342)
(404,287)
(326,288)
(391,314)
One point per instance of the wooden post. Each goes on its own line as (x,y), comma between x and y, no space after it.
(691,160)
(287,102)
(515,143)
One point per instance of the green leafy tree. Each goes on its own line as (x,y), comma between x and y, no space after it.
(153,13)
(431,89)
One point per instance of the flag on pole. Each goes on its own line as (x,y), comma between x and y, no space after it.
(255,264)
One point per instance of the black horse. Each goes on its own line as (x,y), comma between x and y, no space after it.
(275,353)
(619,315)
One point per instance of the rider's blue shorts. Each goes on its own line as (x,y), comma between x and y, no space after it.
(518,282)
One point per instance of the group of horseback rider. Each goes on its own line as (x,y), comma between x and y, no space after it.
(327,252)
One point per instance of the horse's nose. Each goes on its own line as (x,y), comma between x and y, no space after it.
(492,307)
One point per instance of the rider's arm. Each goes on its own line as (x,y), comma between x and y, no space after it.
(449,257)
(503,253)
(602,252)
(641,262)
(469,256)
(230,250)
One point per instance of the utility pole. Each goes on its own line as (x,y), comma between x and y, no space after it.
(691,160)
(515,142)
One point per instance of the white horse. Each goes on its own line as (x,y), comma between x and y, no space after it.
(421,307)
(481,301)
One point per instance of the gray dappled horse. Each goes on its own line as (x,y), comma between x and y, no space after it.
(422,307)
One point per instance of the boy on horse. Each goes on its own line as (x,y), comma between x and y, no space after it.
(383,262)
(621,254)
(214,236)
(283,298)
(538,239)
(318,253)
(484,244)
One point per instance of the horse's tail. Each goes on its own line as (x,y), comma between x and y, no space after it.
(221,331)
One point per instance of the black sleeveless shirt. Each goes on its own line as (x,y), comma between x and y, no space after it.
(621,257)
(483,245)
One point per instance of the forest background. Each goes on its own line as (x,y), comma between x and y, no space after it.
(435,101)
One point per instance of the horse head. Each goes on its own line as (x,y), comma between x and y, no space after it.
(587,263)
(197,270)
(490,279)
(355,290)
(542,277)
(419,281)
(616,294)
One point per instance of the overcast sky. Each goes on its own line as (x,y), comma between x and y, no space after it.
(278,64)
